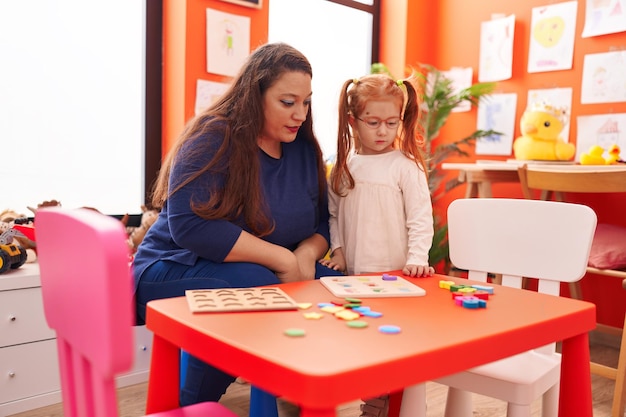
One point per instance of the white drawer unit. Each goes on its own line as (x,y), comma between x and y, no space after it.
(29,373)
(29,370)
(22,315)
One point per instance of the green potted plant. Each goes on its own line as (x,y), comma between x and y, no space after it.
(439,98)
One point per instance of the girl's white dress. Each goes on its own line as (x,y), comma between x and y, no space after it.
(386,220)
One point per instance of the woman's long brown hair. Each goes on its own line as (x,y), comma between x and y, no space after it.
(238,117)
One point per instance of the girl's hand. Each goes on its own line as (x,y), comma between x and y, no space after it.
(418,270)
(337,261)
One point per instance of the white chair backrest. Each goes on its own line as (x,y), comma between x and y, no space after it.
(519,238)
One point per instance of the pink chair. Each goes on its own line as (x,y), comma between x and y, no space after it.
(87,294)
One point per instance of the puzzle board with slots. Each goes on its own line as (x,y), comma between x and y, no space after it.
(364,286)
(239,299)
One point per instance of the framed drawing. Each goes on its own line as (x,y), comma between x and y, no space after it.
(248,3)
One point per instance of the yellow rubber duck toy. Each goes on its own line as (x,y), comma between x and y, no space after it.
(614,153)
(593,156)
(541,126)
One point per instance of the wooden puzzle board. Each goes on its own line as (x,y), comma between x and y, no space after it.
(239,299)
(364,286)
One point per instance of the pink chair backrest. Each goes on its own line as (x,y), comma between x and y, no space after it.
(86,283)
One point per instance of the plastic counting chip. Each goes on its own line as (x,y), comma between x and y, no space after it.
(387,277)
(389,329)
(295,332)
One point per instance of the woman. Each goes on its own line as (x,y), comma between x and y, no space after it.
(242,195)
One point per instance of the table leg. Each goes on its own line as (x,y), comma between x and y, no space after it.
(472,190)
(163,381)
(575,393)
(395,403)
(484,190)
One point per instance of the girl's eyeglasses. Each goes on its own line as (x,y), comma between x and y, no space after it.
(375,123)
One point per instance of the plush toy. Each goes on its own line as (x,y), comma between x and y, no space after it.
(136,235)
(541,126)
(51,203)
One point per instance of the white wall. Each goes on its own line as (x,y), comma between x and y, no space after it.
(72,103)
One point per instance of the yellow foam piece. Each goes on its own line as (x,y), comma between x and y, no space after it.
(347,315)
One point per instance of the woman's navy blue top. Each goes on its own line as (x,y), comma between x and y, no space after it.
(291,191)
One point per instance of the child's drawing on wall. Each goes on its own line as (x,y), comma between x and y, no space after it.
(552,37)
(604,16)
(228,42)
(496,49)
(604,78)
(207,93)
(497,113)
(461,78)
(604,130)
(608,134)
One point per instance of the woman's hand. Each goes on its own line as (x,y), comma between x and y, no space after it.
(290,270)
(307,266)
(282,261)
(308,252)
(418,270)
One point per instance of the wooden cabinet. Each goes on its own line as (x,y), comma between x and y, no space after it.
(29,374)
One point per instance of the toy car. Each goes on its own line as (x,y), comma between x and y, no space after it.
(12,255)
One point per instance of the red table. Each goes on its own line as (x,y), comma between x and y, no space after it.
(333,364)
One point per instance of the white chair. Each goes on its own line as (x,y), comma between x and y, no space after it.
(517,238)
(608,253)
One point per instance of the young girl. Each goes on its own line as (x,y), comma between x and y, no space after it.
(379,202)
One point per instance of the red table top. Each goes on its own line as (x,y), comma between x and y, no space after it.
(334,364)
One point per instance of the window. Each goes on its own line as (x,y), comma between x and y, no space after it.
(344,48)
(72,113)
(80,92)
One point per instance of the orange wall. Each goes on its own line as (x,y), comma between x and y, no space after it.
(443,33)
(184,55)
(456,37)
(454,41)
